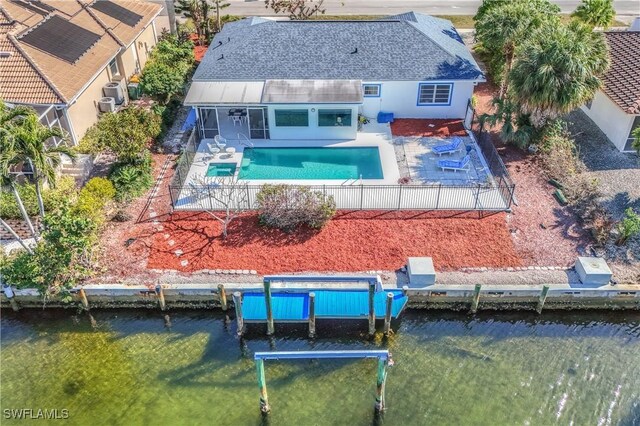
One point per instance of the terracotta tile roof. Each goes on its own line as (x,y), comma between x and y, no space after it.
(30,75)
(622,81)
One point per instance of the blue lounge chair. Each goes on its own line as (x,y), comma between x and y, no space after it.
(455,146)
(463,165)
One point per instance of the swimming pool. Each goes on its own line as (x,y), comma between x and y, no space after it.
(311,163)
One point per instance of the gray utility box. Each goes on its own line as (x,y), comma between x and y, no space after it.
(593,271)
(421,272)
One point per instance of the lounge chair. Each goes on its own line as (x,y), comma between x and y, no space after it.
(455,146)
(463,165)
(220,142)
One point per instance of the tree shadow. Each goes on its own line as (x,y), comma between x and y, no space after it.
(460,68)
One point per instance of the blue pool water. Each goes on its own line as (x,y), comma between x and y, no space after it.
(311,163)
(221,169)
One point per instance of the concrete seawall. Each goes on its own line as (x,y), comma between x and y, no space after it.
(439,296)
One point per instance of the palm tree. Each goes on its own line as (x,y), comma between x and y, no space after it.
(597,13)
(503,27)
(557,70)
(7,153)
(31,147)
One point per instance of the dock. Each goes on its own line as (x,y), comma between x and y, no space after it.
(329,304)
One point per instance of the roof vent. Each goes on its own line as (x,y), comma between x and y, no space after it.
(219,42)
(221,56)
(5,54)
(355,51)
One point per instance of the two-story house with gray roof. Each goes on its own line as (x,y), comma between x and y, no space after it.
(265,78)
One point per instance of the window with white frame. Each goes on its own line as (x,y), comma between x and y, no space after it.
(371,90)
(113,68)
(434,94)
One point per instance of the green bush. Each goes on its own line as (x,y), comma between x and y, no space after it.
(93,198)
(9,207)
(629,226)
(101,188)
(52,197)
(127,133)
(288,207)
(132,180)
(60,260)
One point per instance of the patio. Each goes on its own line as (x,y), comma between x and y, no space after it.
(419,163)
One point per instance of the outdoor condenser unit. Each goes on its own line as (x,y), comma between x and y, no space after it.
(114,90)
(107,104)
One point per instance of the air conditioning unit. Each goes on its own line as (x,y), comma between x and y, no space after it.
(107,104)
(114,90)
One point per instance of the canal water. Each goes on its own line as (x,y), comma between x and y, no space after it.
(141,368)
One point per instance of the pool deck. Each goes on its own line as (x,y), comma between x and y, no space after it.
(372,135)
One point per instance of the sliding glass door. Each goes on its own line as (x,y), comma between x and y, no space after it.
(208,122)
(258,126)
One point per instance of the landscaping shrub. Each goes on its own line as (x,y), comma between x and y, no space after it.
(93,198)
(628,227)
(286,207)
(64,189)
(60,260)
(132,179)
(168,68)
(127,133)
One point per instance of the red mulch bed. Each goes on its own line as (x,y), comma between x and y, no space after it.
(349,243)
(199,52)
(422,128)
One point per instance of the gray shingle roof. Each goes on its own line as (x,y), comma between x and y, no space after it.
(410,47)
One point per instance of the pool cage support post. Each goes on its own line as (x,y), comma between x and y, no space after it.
(372,312)
(312,315)
(542,298)
(237,303)
(160,294)
(387,314)
(262,383)
(83,298)
(476,298)
(222,295)
(269,310)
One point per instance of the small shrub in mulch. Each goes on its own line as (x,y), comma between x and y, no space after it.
(121,216)
(286,207)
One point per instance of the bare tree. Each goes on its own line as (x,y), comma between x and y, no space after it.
(297,10)
(227,197)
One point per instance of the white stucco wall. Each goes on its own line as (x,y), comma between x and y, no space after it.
(401,98)
(313,131)
(612,120)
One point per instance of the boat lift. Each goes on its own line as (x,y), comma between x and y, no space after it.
(383,356)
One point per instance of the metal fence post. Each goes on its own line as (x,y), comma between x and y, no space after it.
(475,207)
(438,196)
(399,197)
(361,196)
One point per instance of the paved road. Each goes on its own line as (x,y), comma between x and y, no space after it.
(433,7)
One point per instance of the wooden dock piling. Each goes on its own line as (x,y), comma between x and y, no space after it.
(387,314)
(372,311)
(269,307)
(237,303)
(262,384)
(8,291)
(380,383)
(222,295)
(160,294)
(312,315)
(83,298)
(542,298)
(476,299)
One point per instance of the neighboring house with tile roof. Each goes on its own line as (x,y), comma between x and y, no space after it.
(57,55)
(310,79)
(616,108)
